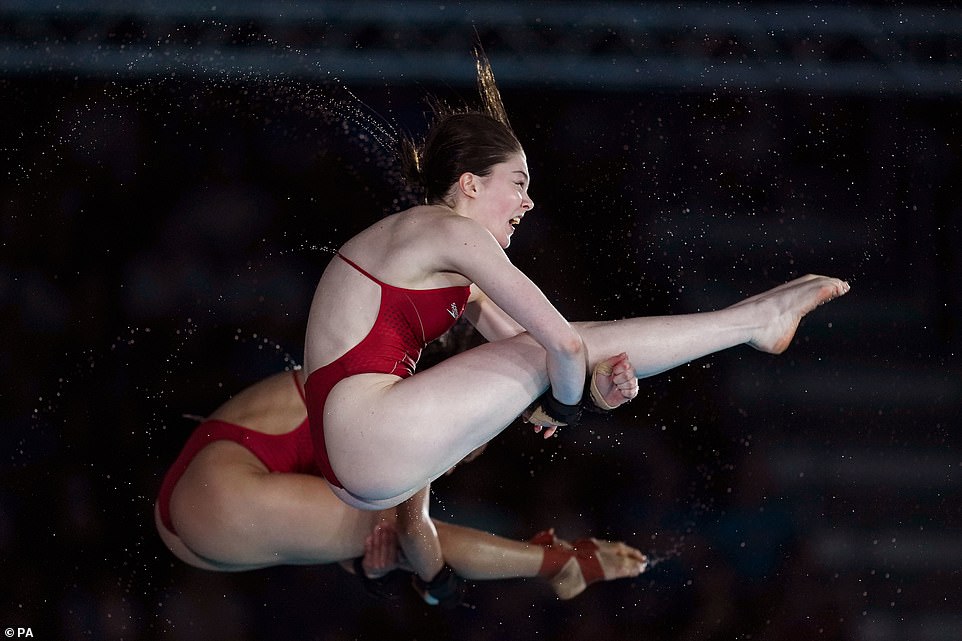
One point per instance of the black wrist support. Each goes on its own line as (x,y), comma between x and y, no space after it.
(445,587)
(385,587)
(570,415)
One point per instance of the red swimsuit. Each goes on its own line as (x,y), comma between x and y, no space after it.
(289,452)
(407,320)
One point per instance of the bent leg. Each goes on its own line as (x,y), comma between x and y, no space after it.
(387,439)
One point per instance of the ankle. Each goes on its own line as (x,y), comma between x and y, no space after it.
(554,561)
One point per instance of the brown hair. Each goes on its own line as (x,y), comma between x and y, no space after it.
(459,141)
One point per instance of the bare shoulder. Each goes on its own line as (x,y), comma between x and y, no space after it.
(407,228)
(446,230)
(271,405)
(431,219)
(439,232)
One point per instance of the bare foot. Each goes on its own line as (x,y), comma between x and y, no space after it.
(617,560)
(786,304)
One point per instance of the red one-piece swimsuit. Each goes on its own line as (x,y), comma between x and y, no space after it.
(407,320)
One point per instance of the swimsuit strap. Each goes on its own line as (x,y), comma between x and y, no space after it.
(389,286)
(297,384)
(358,268)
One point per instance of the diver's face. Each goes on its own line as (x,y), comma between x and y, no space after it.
(506,199)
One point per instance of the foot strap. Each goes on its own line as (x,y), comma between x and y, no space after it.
(591,568)
(556,556)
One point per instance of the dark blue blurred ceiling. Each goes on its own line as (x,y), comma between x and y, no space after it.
(862,49)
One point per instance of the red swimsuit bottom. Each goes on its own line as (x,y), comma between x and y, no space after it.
(289,452)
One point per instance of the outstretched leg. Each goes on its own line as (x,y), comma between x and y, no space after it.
(388,439)
(766,322)
(481,556)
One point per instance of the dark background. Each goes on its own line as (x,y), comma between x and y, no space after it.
(161,234)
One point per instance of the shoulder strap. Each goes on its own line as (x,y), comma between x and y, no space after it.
(297,384)
(358,267)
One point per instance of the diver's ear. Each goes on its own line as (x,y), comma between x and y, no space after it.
(468,184)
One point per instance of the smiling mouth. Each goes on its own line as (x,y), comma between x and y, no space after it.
(515,221)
